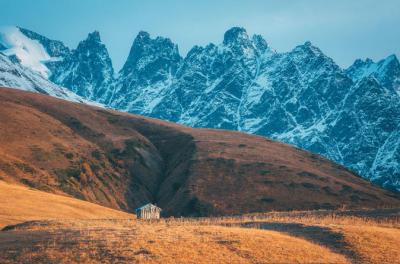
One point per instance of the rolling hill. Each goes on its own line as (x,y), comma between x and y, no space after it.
(20,204)
(122,161)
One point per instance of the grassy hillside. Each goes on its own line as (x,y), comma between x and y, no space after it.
(20,204)
(122,161)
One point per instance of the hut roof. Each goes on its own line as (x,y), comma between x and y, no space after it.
(147,206)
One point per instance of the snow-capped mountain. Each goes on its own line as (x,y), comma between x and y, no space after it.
(386,71)
(301,97)
(54,48)
(28,61)
(149,69)
(28,51)
(366,131)
(14,75)
(86,70)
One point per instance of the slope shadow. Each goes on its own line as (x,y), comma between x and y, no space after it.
(316,234)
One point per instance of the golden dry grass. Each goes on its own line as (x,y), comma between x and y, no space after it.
(161,242)
(19,204)
(68,230)
(384,217)
(373,244)
(294,237)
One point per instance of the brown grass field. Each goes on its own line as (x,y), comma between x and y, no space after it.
(363,236)
(41,227)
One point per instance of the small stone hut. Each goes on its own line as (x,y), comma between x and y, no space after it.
(148,211)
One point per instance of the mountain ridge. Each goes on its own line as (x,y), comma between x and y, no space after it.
(301,97)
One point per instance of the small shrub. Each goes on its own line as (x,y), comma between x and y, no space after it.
(75,123)
(176,186)
(308,185)
(312,176)
(25,167)
(328,190)
(197,208)
(265,172)
(268,182)
(96,154)
(267,200)
(355,198)
(346,189)
(70,172)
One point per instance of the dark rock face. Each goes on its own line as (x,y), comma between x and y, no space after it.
(386,71)
(150,67)
(87,70)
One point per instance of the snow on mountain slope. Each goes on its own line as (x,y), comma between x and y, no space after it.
(301,97)
(54,48)
(147,73)
(87,70)
(29,52)
(386,71)
(17,76)
(386,167)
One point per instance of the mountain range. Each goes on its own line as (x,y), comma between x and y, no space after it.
(301,97)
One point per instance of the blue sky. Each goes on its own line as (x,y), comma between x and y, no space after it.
(344,30)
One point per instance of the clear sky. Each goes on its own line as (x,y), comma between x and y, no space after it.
(343,29)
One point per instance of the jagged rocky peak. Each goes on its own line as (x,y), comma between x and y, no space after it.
(88,71)
(386,71)
(92,40)
(391,65)
(94,36)
(239,42)
(151,55)
(199,60)
(54,48)
(307,49)
(148,72)
(393,58)
(142,37)
(362,68)
(361,63)
(311,59)
(260,43)
(236,35)
(92,49)
(357,70)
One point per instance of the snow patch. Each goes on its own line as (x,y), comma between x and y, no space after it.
(30,52)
